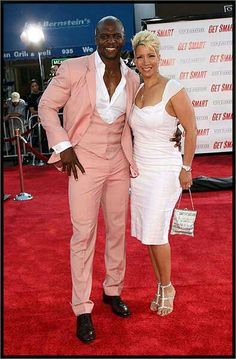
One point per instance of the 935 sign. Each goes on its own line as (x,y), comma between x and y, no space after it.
(67,51)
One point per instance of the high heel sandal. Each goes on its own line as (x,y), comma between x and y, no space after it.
(155,302)
(169,298)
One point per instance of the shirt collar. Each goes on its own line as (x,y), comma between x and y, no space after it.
(100,63)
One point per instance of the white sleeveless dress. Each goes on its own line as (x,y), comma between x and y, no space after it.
(156,190)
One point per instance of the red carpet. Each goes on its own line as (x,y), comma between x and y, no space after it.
(38,319)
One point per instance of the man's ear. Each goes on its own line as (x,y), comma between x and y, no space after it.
(124,39)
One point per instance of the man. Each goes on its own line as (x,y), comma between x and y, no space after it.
(95,149)
(14,117)
(15,107)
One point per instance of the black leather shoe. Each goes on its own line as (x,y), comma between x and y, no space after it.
(85,330)
(118,306)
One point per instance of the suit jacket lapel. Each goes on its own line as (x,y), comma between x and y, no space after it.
(91,79)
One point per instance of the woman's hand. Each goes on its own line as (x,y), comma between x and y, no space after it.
(70,161)
(185,179)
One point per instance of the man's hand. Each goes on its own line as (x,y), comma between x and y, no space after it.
(70,161)
(177,138)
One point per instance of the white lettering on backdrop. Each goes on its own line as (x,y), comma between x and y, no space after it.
(198,53)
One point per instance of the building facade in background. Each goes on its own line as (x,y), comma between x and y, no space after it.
(69,31)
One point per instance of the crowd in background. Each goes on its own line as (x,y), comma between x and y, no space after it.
(22,113)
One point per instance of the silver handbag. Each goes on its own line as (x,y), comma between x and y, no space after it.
(184,219)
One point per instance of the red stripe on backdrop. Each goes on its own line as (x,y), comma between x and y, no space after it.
(38,319)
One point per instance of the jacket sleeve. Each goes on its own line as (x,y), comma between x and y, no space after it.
(53,99)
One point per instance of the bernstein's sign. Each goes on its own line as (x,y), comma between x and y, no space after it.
(69,28)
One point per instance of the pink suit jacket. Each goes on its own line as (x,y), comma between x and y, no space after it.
(74,88)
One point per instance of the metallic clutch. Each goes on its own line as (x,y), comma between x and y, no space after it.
(184,219)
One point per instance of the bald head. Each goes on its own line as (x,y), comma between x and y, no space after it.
(110,38)
(107,20)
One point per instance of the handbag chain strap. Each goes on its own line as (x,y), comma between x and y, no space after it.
(190,198)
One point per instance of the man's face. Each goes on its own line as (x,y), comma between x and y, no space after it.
(109,40)
(15,103)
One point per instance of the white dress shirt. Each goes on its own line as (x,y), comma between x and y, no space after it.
(108,109)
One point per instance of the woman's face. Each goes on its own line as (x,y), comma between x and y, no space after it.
(146,60)
(34,87)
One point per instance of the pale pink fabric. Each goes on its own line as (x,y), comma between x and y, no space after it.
(74,88)
(105,182)
(108,136)
(105,151)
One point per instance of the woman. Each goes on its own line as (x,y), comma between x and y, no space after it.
(34,97)
(159,105)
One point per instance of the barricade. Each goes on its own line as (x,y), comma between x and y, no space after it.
(18,139)
(37,136)
(13,134)
(10,147)
(33,136)
(22,196)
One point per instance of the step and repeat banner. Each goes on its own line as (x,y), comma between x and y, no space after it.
(198,53)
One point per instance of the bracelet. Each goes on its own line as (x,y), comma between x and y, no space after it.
(187,168)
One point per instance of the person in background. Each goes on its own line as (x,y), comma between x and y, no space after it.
(34,96)
(14,116)
(15,107)
(33,101)
(159,105)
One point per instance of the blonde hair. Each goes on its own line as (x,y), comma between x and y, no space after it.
(146,38)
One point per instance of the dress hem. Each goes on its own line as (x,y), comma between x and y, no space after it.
(151,244)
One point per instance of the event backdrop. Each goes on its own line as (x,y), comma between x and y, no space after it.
(198,53)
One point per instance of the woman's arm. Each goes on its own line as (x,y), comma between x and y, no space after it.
(184,111)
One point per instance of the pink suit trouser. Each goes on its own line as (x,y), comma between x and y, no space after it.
(106,183)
